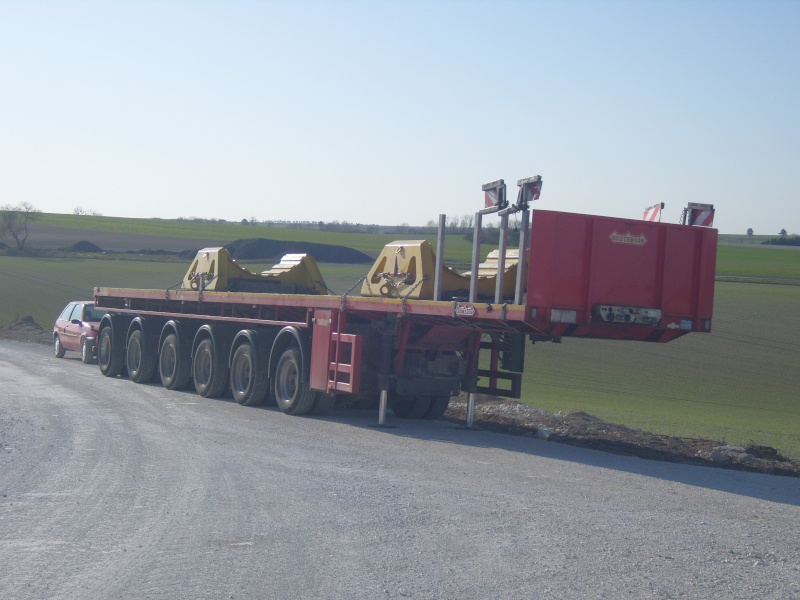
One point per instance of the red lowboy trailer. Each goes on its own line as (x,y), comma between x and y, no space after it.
(400,344)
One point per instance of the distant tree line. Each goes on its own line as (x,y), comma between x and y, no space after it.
(79,210)
(454,225)
(783,239)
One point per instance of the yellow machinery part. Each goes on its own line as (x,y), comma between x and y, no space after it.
(406,268)
(213,269)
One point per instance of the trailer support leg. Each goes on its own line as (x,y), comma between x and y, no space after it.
(382,409)
(470,414)
(382,412)
(383,377)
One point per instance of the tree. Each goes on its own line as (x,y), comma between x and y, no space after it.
(749,232)
(783,233)
(14,221)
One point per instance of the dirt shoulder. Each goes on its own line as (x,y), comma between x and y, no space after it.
(584,430)
(574,428)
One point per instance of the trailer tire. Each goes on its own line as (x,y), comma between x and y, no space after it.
(411,407)
(174,366)
(324,404)
(141,365)
(437,408)
(291,392)
(86,352)
(110,353)
(210,374)
(249,383)
(58,347)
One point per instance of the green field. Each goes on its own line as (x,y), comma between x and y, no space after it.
(41,287)
(370,244)
(760,263)
(738,384)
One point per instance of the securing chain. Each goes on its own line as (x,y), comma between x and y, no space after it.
(343,302)
(407,294)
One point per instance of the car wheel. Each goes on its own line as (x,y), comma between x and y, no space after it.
(58,349)
(86,352)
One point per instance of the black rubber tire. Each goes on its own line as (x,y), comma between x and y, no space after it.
(437,408)
(174,366)
(411,407)
(58,349)
(86,352)
(210,374)
(140,363)
(249,383)
(292,395)
(110,353)
(324,404)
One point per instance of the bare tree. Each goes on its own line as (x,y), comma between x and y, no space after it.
(14,221)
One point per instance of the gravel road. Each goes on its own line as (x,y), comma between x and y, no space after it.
(110,489)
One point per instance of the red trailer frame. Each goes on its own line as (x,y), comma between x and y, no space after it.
(587,276)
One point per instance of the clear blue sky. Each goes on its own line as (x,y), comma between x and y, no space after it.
(392,112)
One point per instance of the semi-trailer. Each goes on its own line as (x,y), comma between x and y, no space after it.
(415,332)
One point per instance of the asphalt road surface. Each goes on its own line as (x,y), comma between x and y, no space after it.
(110,489)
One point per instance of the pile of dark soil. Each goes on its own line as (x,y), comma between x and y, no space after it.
(575,428)
(262,248)
(83,247)
(584,430)
(25,329)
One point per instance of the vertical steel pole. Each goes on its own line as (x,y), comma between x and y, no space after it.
(522,263)
(437,282)
(476,254)
(501,258)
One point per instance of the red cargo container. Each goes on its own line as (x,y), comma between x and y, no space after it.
(588,275)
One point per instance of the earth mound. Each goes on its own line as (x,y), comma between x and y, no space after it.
(262,248)
(84,247)
(587,431)
(25,329)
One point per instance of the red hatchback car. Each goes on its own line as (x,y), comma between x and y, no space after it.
(76,329)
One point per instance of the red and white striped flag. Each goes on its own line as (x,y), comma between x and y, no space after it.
(653,213)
